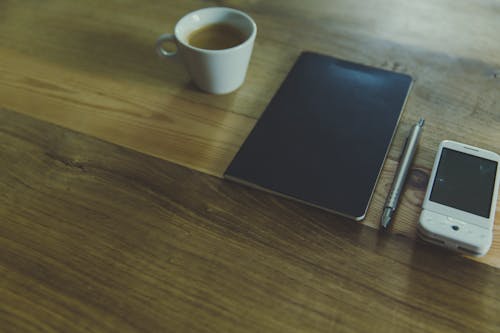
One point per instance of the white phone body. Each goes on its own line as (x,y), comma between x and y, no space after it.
(459,205)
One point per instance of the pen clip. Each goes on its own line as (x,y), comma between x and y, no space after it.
(404,148)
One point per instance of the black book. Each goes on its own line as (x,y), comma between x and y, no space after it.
(324,136)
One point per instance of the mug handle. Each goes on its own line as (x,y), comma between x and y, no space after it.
(159,45)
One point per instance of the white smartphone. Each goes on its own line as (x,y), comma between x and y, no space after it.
(459,206)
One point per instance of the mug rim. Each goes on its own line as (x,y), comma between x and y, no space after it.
(248,40)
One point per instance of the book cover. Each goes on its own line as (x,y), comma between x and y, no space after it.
(324,136)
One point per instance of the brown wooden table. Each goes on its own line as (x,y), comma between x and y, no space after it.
(111,236)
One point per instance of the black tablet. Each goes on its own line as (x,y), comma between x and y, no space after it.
(325,134)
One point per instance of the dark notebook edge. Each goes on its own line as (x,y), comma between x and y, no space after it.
(403,106)
(260,188)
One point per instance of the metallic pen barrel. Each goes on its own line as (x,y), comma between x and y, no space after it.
(401,173)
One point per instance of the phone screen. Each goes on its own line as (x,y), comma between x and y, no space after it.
(464,182)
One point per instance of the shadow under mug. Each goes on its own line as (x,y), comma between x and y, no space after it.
(215,71)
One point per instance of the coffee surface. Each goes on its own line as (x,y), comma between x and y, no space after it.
(217,36)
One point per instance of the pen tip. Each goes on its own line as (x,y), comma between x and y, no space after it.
(386,218)
(421,122)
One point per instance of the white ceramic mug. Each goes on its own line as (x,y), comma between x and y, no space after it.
(215,71)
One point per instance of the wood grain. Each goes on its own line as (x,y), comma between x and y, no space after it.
(96,237)
(91,67)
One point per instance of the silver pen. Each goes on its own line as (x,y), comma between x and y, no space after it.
(399,179)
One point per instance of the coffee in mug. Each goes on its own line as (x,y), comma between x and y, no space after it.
(217,36)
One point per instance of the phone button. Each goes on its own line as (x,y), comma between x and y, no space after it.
(455,221)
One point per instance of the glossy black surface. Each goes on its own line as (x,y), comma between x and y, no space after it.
(464,182)
(324,136)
